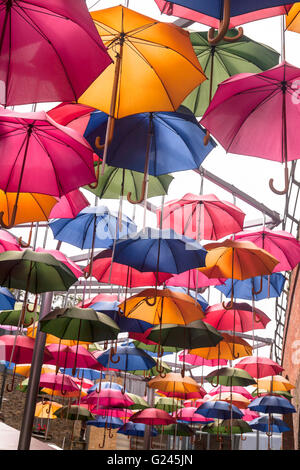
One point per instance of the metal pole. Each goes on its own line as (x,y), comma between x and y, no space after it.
(34,378)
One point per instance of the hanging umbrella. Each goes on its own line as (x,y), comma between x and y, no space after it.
(222,60)
(48,33)
(19,349)
(254,97)
(109,398)
(292,18)
(275,425)
(135,429)
(174,383)
(151,346)
(61,257)
(231,397)
(73,412)
(162,368)
(201,217)
(69,205)
(32,143)
(201,300)
(138,402)
(7,300)
(193,279)
(195,360)
(70,114)
(126,358)
(46,409)
(122,413)
(272,404)
(59,382)
(178,429)
(256,288)
(106,422)
(230,348)
(227,426)
(103,385)
(275,383)
(241,317)
(167,404)
(24,369)
(71,356)
(249,415)
(230,376)
(183,395)
(282,245)
(235,389)
(259,366)
(132,38)
(12,317)
(189,415)
(50,339)
(152,417)
(219,410)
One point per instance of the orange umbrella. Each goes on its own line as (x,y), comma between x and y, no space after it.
(24,369)
(168,307)
(274,383)
(234,398)
(237,260)
(230,348)
(174,383)
(66,394)
(293,18)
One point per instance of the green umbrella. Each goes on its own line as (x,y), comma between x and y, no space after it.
(196,334)
(12,317)
(139,402)
(82,324)
(116,182)
(230,376)
(180,429)
(155,347)
(163,369)
(238,426)
(167,404)
(223,60)
(74,412)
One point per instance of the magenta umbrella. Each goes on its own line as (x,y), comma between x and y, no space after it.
(61,257)
(200,361)
(259,367)
(249,415)
(240,317)
(188,414)
(235,389)
(282,245)
(239,116)
(152,417)
(71,357)
(194,403)
(8,242)
(201,217)
(109,398)
(193,279)
(69,206)
(122,413)
(36,33)
(41,156)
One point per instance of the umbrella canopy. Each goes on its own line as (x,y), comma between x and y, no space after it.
(106,422)
(46,409)
(59,382)
(231,397)
(93,227)
(84,324)
(162,368)
(169,307)
(178,429)
(192,335)
(19,349)
(110,398)
(222,60)
(228,426)
(292,18)
(256,288)
(152,417)
(69,205)
(272,404)
(167,404)
(48,33)
(61,257)
(241,317)
(12,317)
(192,279)
(259,366)
(138,402)
(282,245)
(230,376)
(189,415)
(73,412)
(200,361)
(24,369)
(83,373)
(122,413)
(234,389)
(71,356)
(7,299)
(126,358)
(103,385)
(50,339)
(269,424)
(275,383)
(135,429)
(230,348)
(175,383)
(249,415)
(219,410)
(160,251)
(132,38)
(201,217)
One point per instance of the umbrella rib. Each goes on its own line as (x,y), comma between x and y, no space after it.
(15,162)
(40,206)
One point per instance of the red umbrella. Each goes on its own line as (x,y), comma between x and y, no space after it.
(71,356)
(74,115)
(69,206)
(200,361)
(62,382)
(61,257)
(109,398)
(122,275)
(201,217)
(241,317)
(100,298)
(152,417)
(193,279)
(53,32)
(235,389)
(249,415)
(282,245)
(184,396)
(189,414)
(259,366)
(122,413)
(194,403)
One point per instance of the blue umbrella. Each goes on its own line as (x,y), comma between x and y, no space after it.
(154,250)
(89,374)
(135,429)
(272,286)
(106,422)
(126,358)
(93,227)
(274,425)
(201,300)
(219,410)
(272,404)
(105,385)
(7,300)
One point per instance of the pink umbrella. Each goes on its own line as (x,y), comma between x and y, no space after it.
(259,367)
(249,415)
(194,403)
(189,414)
(193,279)
(109,398)
(235,389)
(152,417)
(54,32)
(282,245)
(33,145)
(184,396)
(241,317)
(74,115)
(62,382)
(200,361)
(8,242)
(100,298)
(61,257)
(201,217)
(122,413)
(69,206)
(71,356)
(239,116)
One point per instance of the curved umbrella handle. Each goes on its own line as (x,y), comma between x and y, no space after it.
(243,438)
(206,138)
(286,182)
(140,200)
(34,305)
(111,354)
(235,355)
(104,438)
(10,387)
(224,25)
(26,325)
(229,305)
(150,303)
(217,384)
(235,38)
(87,274)
(12,220)
(260,287)
(26,245)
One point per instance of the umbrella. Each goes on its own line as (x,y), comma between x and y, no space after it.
(178,429)
(241,317)
(152,417)
(138,402)
(230,376)
(201,217)
(223,14)
(282,245)
(222,60)
(235,389)
(46,409)
(7,300)
(259,366)
(235,426)
(106,422)
(32,143)
(24,369)
(200,361)
(219,410)
(50,339)
(189,415)
(61,257)
(266,286)
(59,382)
(12,317)
(71,356)
(192,279)
(151,346)
(127,358)
(73,412)
(103,385)
(50,32)
(135,429)
(275,383)
(201,300)
(254,97)
(174,383)
(168,77)
(8,242)
(109,398)
(231,397)
(162,368)
(249,415)
(167,404)
(230,348)
(275,425)
(69,205)
(122,413)
(183,395)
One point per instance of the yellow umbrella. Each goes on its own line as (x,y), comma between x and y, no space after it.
(274,383)
(45,409)
(24,369)
(293,18)
(234,398)
(57,393)
(230,348)
(175,383)
(154,66)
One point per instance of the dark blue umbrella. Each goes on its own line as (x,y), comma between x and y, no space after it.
(135,429)
(160,251)
(89,374)
(126,358)
(7,300)
(93,227)
(266,424)
(106,422)
(219,410)
(272,404)
(272,286)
